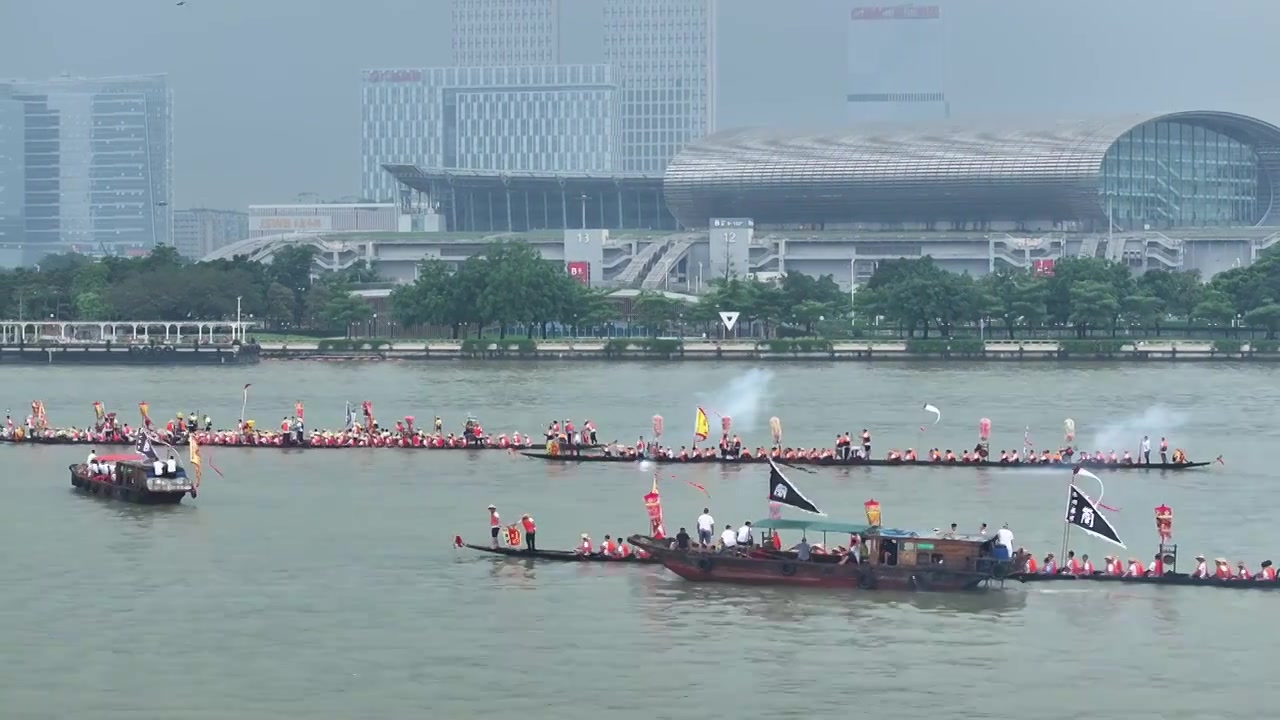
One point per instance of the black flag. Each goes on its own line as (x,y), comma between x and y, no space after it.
(782,491)
(1082,513)
(143,445)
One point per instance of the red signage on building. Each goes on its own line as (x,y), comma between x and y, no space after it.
(394,76)
(580,271)
(896,12)
(1042,268)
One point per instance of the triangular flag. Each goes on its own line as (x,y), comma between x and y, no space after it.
(1082,513)
(729,319)
(782,491)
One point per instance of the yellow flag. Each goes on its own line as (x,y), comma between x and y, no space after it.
(195,458)
(700,425)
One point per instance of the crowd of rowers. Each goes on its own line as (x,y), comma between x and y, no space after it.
(1116,567)
(292,433)
(844,451)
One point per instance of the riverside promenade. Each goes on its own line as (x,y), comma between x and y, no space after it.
(779,350)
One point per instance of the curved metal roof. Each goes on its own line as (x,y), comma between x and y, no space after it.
(922,174)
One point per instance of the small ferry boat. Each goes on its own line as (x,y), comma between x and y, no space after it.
(887,559)
(133,478)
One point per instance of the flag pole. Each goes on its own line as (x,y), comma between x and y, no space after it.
(1066,523)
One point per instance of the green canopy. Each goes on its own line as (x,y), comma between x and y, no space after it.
(812,525)
(830,526)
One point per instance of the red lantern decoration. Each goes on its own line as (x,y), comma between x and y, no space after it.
(873,512)
(1164,522)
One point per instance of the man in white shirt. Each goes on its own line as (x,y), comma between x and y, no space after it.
(92,457)
(728,538)
(158,467)
(171,465)
(1003,549)
(744,534)
(1146,449)
(706,526)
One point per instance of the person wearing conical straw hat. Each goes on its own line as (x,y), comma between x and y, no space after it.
(495,524)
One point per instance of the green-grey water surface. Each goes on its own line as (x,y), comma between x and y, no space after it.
(324,584)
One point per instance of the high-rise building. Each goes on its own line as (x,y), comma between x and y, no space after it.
(199,231)
(665,52)
(897,67)
(12,173)
(97,163)
(551,118)
(506,32)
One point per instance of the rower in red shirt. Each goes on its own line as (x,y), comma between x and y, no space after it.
(1267,573)
(608,547)
(1072,565)
(1086,567)
(1242,572)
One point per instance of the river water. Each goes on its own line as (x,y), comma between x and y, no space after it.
(324,585)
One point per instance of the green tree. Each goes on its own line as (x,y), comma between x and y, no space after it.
(1267,316)
(1092,304)
(281,304)
(1214,307)
(655,311)
(345,310)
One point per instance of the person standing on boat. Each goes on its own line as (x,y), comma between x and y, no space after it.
(1003,548)
(866,444)
(1164,451)
(530,530)
(1146,449)
(93,457)
(495,524)
(706,526)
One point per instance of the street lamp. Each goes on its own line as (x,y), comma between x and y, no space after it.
(238,330)
(584,211)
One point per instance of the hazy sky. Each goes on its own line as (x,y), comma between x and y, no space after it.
(266,92)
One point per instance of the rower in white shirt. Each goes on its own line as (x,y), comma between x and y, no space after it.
(1202,569)
(728,538)
(744,534)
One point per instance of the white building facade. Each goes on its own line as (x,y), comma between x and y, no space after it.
(97,163)
(322,218)
(554,118)
(506,32)
(665,52)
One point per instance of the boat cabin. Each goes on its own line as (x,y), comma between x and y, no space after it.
(144,475)
(881,546)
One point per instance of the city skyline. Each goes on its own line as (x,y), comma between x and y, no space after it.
(268,125)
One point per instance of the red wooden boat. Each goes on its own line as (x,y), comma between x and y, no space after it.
(891,560)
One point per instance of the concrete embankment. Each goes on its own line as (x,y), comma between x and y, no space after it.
(780,350)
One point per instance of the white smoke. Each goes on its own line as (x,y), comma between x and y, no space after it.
(743,400)
(1126,433)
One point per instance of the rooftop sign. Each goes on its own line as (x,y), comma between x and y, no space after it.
(896,12)
(374,76)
